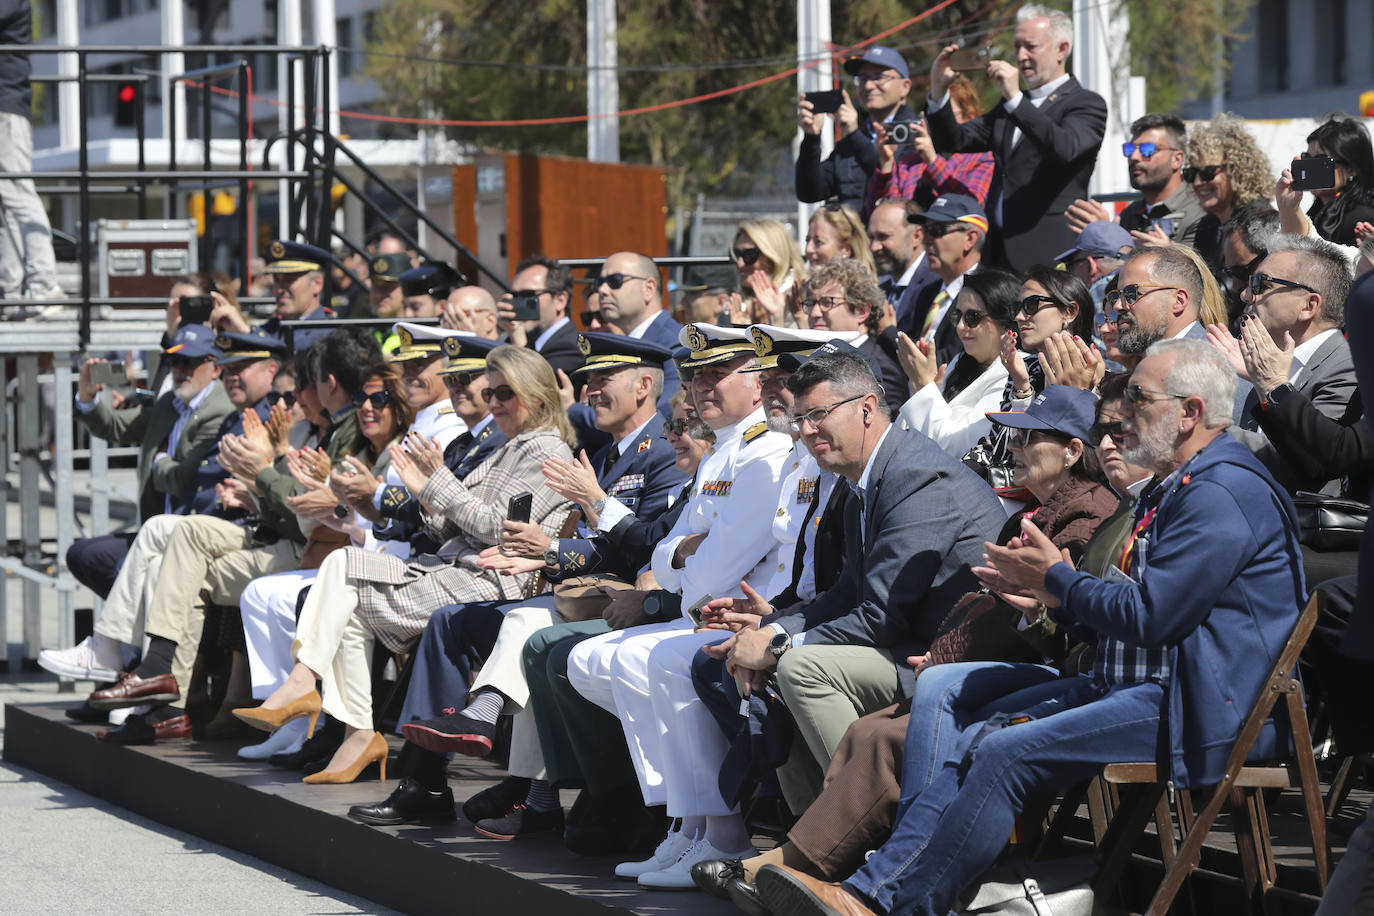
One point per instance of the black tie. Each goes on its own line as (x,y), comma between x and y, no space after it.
(799,555)
(611,458)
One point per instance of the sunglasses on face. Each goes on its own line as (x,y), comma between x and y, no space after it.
(615,281)
(275,397)
(458,380)
(378,399)
(1146,150)
(1240,273)
(187,363)
(940,230)
(1263,283)
(1205,172)
(676,427)
(502,393)
(747,255)
(1099,431)
(1137,395)
(1033,304)
(970,317)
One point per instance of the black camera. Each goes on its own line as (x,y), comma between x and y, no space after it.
(902,133)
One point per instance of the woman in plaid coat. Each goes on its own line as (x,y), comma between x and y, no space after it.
(360,596)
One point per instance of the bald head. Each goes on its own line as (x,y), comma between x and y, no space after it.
(637,299)
(476,308)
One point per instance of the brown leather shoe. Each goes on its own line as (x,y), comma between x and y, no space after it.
(786,890)
(135,691)
(175,727)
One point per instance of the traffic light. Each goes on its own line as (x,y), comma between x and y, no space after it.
(126,105)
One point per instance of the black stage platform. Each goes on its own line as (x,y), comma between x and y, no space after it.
(202,788)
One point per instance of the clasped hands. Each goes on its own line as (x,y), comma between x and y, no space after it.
(746,654)
(1016,572)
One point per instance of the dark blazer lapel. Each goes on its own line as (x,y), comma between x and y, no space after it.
(1311,372)
(627,458)
(875,484)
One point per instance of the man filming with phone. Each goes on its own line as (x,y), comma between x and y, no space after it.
(881,84)
(1044,139)
(535,312)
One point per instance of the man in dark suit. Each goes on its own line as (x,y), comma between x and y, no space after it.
(636,475)
(903,571)
(1292,344)
(955,230)
(552,335)
(630,298)
(898,247)
(1044,140)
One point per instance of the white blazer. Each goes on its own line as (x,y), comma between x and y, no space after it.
(958,424)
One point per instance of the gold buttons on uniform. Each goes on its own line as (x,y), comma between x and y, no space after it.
(781,567)
(781,513)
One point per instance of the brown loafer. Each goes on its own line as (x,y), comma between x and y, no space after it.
(175,727)
(786,890)
(135,691)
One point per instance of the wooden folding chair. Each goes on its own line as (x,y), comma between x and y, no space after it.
(1242,788)
(539,583)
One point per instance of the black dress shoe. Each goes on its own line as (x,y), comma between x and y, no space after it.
(630,834)
(410,803)
(494,801)
(522,822)
(713,874)
(746,896)
(456,734)
(135,730)
(88,714)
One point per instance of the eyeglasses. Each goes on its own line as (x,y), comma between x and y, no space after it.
(1261,284)
(940,230)
(1137,395)
(1206,172)
(1111,306)
(457,380)
(275,397)
(816,415)
(590,316)
(969,317)
(676,427)
(827,303)
(1032,304)
(175,361)
(1240,273)
(1099,431)
(1146,149)
(882,79)
(378,399)
(1020,438)
(502,393)
(615,281)
(747,255)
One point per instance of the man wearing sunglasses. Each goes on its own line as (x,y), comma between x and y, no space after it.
(1245,241)
(955,231)
(1155,158)
(1044,140)
(552,335)
(1291,346)
(628,294)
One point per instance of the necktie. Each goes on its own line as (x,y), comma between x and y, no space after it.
(799,556)
(928,326)
(611,458)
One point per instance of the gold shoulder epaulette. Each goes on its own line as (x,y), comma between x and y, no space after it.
(753,432)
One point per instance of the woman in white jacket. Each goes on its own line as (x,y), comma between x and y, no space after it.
(950,401)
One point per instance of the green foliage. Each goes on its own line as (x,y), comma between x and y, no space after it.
(1174,45)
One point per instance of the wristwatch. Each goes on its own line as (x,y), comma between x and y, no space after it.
(599,507)
(653,605)
(779,644)
(551,553)
(1277,394)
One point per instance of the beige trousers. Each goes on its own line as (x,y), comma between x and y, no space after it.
(335,645)
(125,612)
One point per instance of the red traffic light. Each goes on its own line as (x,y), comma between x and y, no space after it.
(127,93)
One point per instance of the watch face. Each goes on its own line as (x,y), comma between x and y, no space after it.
(651,604)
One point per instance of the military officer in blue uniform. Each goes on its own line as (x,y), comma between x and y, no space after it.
(425,288)
(298,273)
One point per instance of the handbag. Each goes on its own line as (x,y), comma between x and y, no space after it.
(1330,522)
(584,597)
(1057,887)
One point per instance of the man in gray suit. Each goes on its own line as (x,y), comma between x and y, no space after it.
(919,522)
(1291,342)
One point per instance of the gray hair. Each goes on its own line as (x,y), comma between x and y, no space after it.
(1322,266)
(1061,26)
(1199,371)
(848,373)
(1258,225)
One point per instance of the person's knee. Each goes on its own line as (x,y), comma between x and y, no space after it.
(797,670)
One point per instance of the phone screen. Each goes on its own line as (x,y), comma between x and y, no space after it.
(826,102)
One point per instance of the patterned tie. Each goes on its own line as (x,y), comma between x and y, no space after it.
(928,326)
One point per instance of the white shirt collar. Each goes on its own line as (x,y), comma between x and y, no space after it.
(868,468)
(481,425)
(1184,333)
(1303,352)
(627,440)
(550,331)
(1134,489)
(858,340)
(1047,89)
(911,269)
(638,330)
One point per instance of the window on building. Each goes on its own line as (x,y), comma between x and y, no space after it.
(349,60)
(1272,16)
(1328,34)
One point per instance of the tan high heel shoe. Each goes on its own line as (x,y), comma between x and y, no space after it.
(269,720)
(376,752)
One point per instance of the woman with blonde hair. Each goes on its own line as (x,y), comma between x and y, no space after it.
(770,268)
(837,232)
(1227,170)
(360,596)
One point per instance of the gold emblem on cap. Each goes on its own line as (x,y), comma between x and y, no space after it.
(277,250)
(452,346)
(695,339)
(584,345)
(223,342)
(763,344)
(407,339)
(379,266)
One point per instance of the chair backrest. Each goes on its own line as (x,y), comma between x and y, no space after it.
(538,582)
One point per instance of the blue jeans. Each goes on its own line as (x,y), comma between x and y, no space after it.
(953,831)
(1351,889)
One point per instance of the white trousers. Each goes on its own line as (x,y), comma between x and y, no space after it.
(643,675)
(504,671)
(336,645)
(126,609)
(268,608)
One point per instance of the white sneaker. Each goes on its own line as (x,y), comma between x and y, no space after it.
(285,740)
(84,661)
(678,876)
(668,852)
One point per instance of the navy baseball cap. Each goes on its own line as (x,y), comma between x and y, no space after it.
(1103,239)
(953,208)
(1059,408)
(884,57)
(195,341)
